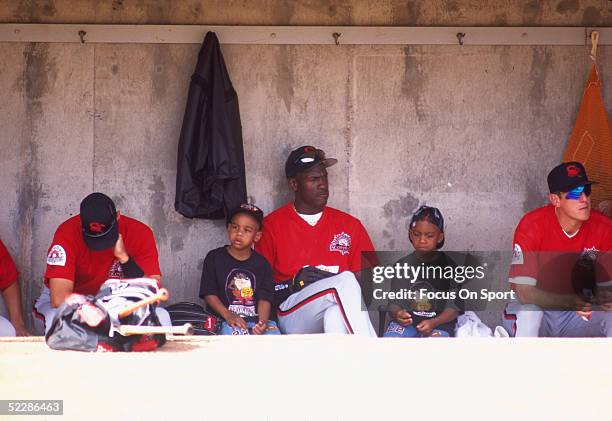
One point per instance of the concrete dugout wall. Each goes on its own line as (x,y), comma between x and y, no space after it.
(472,130)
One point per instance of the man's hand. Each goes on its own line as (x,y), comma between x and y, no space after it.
(603,299)
(585,315)
(580,305)
(529,294)
(260,328)
(12,301)
(402,317)
(21,330)
(604,306)
(235,320)
(119,250)
(426,327)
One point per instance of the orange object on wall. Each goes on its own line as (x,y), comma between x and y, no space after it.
(591,140)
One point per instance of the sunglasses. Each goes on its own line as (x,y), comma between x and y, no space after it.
(575,194)
(310,155)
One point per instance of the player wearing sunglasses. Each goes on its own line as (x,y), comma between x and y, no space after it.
(561,267)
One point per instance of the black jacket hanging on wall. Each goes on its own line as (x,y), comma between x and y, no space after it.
(210,176)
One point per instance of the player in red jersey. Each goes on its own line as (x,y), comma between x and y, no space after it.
(307,232)
(96,245)
(11,294)
(561,263)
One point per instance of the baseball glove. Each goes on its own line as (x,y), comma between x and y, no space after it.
(309,275)
(305,276)
(203,322)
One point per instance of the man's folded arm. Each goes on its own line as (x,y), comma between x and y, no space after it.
(531,294)
(60,288)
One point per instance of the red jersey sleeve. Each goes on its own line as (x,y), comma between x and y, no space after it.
(361,243)
(61,257)
(140,246)
(265,246)
(8,270)
(524,265)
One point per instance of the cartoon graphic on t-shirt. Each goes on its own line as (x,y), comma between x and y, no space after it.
(240,289)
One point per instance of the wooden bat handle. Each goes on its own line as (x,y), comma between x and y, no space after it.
(162,295)
(127,330)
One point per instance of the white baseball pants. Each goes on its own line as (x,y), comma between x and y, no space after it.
(330,305)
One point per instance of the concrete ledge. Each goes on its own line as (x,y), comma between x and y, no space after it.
(319,377)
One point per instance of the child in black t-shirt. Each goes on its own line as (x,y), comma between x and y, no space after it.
(424,316)
(236,280)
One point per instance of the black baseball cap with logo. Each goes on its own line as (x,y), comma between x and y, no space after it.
(304,158)
(567,176)
(249,209)
(99,222)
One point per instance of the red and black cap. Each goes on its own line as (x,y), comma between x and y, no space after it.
(304,158)
(249,209)
(567,176)
(99,222)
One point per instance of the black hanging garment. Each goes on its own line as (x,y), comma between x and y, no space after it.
(210,176)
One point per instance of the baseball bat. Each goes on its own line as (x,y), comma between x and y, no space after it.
(162,295)
(127,330)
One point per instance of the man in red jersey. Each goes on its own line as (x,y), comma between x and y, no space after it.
(96,245)
(305,233)
(561,264)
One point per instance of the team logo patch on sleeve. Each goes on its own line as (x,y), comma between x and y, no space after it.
(517,255)
(57,256)
(341,243)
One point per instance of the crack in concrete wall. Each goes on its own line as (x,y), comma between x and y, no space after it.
(284,79)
